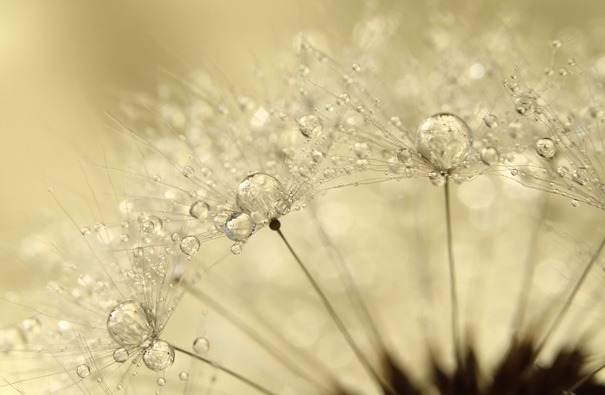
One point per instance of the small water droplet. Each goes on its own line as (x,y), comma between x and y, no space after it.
(437,179)
(120,355)
(356,67)
(490,156)
(396,121)
(491,121)
(188,171)
(201,345)
(362,150)
(555,43)
(159,355)
(575,203)
(236,249)
(190,245)
(563,171)
(309,125)
(129,324)
(444,140)
(85,231)
(404,155)
(199,210)
(183,376)
(546,148)
(239,226)
(580,175)
(151,224)
(161,381)
(344,97)
(83,370)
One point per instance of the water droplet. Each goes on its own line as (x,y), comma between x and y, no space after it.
(201,345)
(309,125)
(85,231)
(199,210)
(444,140)
(490,156)
(129,324)
(396,121)
(362,150)
(183,376)
(555,43)
(238,226)
(524,105)
(491,121)
(356,67)
(236,249)
(563,171)
(546,148)
(344,97)
(188,171)
(575,203)
(262,196)
(190,245)
(159,355)
(120,355)
(83,370)
(161,381)
(151,224)
(437,179)
(580,175)
(404,155)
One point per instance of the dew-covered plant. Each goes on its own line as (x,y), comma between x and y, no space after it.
(390,216)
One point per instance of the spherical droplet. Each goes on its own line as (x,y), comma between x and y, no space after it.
(546,148)
(490,156)
(199,210)
(575,203)
(404,155)
(444,140)
(183,376)
(580,175)
(129,324)
(491,121)
(190,245)
(151,224)
(262,196)
(161,381)
(201,345)
(309,125)
(159,355)
(120,355)
(362,150)
(83,370)
(236,249)
(239,226)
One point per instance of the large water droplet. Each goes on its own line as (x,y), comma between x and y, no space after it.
(129,324)
(546,148)
(444,140)
(262,196)
(190,245)
(199,210)
(201,345)
(309,125)
(239,226)
(159,355)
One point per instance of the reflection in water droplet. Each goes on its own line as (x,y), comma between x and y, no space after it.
(262,196)
(490,156)
(239,226)
(128,324)
(159,355)
(199,210)
(444,140)
(201,345)
(151,224)
(190,245)
(546,148)
(83,370)
(120,355)
(309,125)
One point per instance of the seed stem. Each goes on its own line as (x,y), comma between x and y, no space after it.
(452,273)
(386,388)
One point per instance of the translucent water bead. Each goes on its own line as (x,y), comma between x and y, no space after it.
(159,355)
(238,226)
(129,324)
(444,140)
(262,196)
